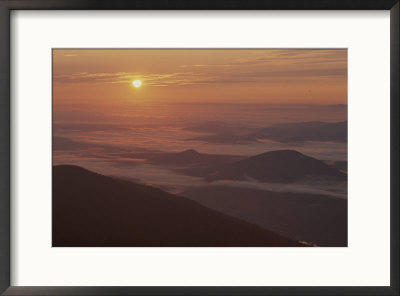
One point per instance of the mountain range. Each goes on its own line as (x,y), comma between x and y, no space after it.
(93,210)
(303,131)
(281,166)
(293,132)
(314,218)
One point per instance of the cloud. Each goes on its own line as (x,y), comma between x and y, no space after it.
(261,66)
(286,56)
(191,78)
(152,79)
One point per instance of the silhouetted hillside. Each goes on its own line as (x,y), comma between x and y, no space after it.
(218,128)
(281,132)
(90,210)
(319,219)
(303,131)
(190,157)
(282,166)
(223,138)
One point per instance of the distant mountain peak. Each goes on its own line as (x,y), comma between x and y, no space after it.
(284,155)
(281,166)
(303,131)
(281,152)
(190,152)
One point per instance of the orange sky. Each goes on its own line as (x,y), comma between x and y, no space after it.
(277,76)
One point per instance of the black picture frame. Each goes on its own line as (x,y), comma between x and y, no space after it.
(5,170)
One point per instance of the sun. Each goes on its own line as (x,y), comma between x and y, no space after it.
(137,83)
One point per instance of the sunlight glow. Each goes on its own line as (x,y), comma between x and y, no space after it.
(137,83)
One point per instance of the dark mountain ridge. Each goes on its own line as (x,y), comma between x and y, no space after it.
(291,132)
(92,210)
(190,157)
(319,219)
(281,166)
(303,131)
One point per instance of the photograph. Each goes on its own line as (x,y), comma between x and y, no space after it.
(238,147)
